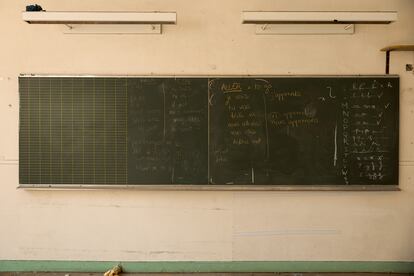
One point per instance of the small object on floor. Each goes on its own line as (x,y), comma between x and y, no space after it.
(117,270)
(34,8)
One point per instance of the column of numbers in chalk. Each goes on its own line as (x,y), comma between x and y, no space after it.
(366,141)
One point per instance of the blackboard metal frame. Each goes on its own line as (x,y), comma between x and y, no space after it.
(23,75)
(185,187)
(213,187)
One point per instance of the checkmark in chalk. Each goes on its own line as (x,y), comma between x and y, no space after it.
(380,115)
(387,105)
(379,121)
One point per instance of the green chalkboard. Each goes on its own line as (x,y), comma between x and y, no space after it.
(167,131)
(228,131)
(304,131)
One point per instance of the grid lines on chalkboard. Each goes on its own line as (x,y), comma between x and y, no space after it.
(72,130)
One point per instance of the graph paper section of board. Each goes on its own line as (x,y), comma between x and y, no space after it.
(73,131)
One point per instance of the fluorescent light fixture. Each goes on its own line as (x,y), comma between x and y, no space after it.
(318,17)
(45,17)
(304,29)
(113,29)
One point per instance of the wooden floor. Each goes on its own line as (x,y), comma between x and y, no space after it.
(202,274)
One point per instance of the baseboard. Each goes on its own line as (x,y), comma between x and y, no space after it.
(206,266)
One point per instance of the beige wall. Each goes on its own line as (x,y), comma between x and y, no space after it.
(221,225)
